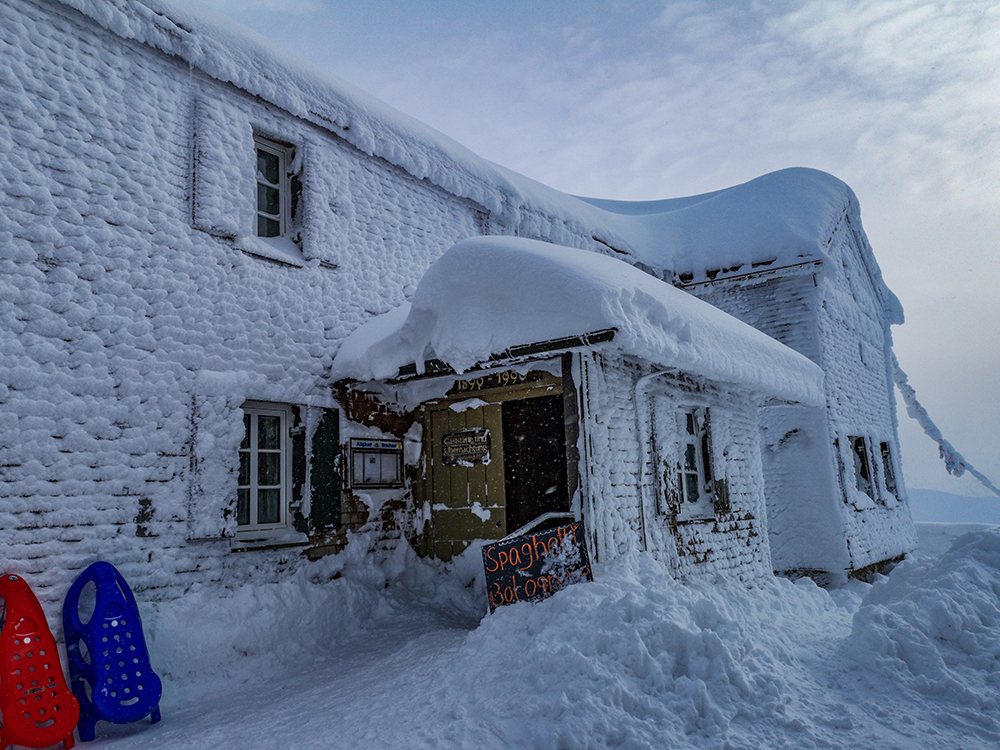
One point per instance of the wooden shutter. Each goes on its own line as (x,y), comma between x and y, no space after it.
(324,474)
(720,485)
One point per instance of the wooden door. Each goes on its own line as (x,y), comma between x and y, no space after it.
(467,489)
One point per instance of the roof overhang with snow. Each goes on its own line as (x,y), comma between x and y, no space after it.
(490,295)
(780,218)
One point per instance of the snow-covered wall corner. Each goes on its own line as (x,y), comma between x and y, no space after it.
(889,303)
(610,461)
(855,351)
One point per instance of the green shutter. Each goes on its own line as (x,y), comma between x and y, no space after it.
(324,476)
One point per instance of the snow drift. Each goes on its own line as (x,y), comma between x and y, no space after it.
(403,655)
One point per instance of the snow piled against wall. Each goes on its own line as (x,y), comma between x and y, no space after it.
(487,294)
(933,629)
(631,660)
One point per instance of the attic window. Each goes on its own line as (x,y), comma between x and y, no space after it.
(273,194)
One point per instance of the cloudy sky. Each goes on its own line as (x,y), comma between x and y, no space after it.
(642,100)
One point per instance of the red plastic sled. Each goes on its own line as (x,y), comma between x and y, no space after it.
(37,708)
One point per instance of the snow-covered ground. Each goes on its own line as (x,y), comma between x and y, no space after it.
(403,656)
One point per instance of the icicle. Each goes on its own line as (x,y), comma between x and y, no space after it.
(954,462)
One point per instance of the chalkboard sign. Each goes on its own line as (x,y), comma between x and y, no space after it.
(534,566)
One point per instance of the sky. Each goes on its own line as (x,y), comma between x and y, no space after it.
(645,100)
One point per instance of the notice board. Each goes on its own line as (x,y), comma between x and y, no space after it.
(534,566)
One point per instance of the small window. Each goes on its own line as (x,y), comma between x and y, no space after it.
(862,465)
(888,467)
(264,484)
(273,199)
(376,463)
(694,472)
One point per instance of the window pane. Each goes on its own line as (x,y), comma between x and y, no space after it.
(373,468)
(268,227)
(267,166)
(390,468)
(243,507)
(244,480)
(268,432)
(861,460)
(246,433)
(268,199)
(269,469)
(689,458)
(691,487)
(268,509)
(890,469)
(690,423)
(706,459)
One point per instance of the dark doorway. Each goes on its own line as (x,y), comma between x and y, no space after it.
(534,453)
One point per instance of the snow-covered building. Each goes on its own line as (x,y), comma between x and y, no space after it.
(192,225)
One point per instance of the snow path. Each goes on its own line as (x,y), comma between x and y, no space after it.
(630,661)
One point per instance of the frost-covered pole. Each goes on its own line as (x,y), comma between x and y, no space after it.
(954,462)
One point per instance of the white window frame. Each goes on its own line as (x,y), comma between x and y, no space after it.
(695,468)
(283,153)
(253,529)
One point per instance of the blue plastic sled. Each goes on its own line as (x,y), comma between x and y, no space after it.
(108,661)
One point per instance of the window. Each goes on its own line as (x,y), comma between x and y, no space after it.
(264,484)
(888,467)
(862,465)
(695,490)
(273,198)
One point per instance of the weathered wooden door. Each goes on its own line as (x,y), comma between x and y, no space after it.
(467,483)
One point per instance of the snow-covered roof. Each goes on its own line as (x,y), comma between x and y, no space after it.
(785,216)
(782,217)
(488,294)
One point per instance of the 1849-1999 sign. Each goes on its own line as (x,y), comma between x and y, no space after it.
(535,565)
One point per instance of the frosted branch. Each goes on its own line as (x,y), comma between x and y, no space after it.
(954,462)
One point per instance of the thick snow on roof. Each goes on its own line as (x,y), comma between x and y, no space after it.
(487,294)
(784,216)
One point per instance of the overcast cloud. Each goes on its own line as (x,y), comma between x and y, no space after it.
(643,100)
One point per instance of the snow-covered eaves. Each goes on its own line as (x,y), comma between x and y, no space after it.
(777,219)
(487,295)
